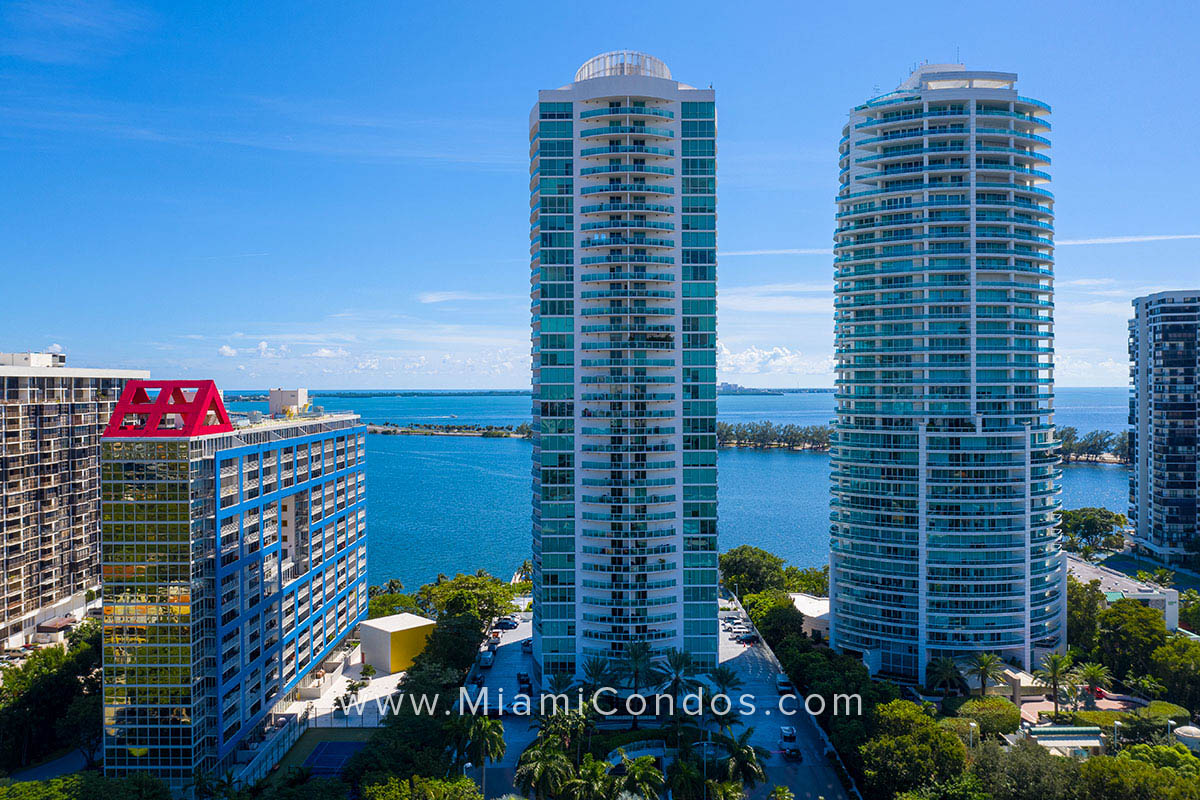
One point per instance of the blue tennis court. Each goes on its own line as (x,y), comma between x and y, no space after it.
(328,758)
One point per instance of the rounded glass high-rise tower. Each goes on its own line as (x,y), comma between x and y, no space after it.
(945,477)
(623,259)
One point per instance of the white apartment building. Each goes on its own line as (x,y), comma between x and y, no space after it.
(623,277)
(945,478)
(51,418)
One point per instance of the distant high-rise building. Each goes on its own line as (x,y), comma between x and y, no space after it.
(623,244)
(51,417)
(1164,438)
(945,477)
(235,562)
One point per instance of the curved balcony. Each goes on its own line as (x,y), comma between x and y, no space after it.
(624,294)
(647,500)
(627,169)
(627,258)
(635,569)
(628,111)
(593,277)
(626,241)
(622,224)
(634,188)
(633,130)
(619,149)
(608,208)
(631,465)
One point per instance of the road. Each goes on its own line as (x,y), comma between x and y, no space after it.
(809,779)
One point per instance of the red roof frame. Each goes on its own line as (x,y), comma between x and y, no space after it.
(188,403)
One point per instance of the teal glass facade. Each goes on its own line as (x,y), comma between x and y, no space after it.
(623,265)
(945,475)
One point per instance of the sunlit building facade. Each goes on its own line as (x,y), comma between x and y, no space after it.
(945,476)
(623,276)
(1164,420)
(234,560)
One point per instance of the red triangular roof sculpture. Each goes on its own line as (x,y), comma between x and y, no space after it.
(181,408)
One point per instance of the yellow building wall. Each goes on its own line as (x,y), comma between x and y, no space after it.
(406,645)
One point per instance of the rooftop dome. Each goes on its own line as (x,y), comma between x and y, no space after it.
(622,62)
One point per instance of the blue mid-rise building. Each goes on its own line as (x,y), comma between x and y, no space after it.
(234,563)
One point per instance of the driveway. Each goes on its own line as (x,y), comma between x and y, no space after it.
(809,779)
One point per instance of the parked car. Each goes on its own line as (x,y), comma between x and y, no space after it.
(783,685)
(478,679)
(506,624)
(486,659)
(787,733)
(792,753)
(527,646)
(747,638)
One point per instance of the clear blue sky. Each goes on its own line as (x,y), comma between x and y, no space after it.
(336,195)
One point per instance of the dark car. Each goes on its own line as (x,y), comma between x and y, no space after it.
(527,646)
(747,638)
(792,753)
(505,624)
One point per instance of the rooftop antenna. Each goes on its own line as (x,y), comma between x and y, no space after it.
(957,58)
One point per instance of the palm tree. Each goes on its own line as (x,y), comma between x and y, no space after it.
(725,790)
(560,683)
(986,667)
(781,793)
(744,763)
(636,667)
(642,778)
(542,770)
(685,780)
(1053,674)
(486,744)
(676,673)
(725,680)
(458,734)
(525,571)
(591,781)
(374,591)
(1094,676)
(394,586)
(943,673)
(1145,685)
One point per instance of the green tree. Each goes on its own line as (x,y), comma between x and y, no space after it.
(82,727)
(1127,634)
(943,673)
(1087,527)
(637,667)
(995,715)
(486,743)
(542,770)
(744,761)
(1177,664)
(641,777)
(414,787)
(810,580)
(1176,758)
(1085,601)
(676,673)
(1053,674)
(685,779)
(1121,447)
(749,570)
(591,781)
(1109,778)
(1094,676)
(480,594)
(385,605)
(963,787)
(985,667)
(1026,771)
(908,749)
(1068,439)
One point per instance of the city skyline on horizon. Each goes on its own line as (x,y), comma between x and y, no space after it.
(137,160)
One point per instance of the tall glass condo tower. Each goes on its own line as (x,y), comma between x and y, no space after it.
(945,476)
(623,275)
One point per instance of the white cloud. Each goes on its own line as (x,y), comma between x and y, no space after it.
(446,297)
(329,352)
(227,351)
(266,351)
(55,348)
(774,360)
(781,298)
(1166,237)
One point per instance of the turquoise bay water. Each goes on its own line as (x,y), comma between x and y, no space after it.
(447,504)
